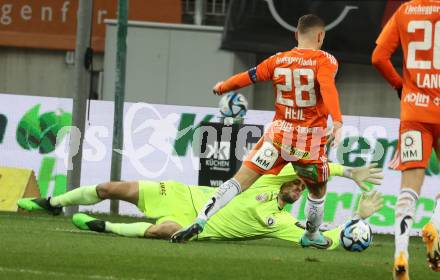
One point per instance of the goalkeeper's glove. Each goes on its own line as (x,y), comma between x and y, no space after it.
(369,204)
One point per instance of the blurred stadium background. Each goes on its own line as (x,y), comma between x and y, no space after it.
(176,51)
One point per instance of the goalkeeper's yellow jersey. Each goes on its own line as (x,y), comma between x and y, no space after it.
(255,213)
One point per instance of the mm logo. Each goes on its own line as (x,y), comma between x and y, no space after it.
(266,156)
(40,132)
(409,154)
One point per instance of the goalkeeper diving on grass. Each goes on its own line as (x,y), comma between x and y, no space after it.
(257,213)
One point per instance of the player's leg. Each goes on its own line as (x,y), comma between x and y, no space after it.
(314,211)
(264,158)
(86,195)
(412,180)
(431,231)
(87,222)
(169,203)
(415,145)
(126,191)
(163,230)
(315,176)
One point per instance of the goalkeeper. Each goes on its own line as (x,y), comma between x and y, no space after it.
(257,213)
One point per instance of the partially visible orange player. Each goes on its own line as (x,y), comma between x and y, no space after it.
(416,27)
(305,93)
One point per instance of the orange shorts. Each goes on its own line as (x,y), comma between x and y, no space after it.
(267,157)
(416,142)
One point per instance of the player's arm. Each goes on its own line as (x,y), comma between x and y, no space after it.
(262,72)
(386,44)
(368,174)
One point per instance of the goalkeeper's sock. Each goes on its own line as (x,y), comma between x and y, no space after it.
(225,193)
(436,216)
(81,196)
(314,214)
(405,211)
(128,230)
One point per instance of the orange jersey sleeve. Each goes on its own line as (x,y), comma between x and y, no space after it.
(387,43)
(326,78)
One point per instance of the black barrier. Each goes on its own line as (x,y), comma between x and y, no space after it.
(222,149)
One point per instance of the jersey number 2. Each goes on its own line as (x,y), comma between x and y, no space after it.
(296,74)
(424,45)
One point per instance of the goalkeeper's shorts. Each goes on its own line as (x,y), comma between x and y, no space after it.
(167,202)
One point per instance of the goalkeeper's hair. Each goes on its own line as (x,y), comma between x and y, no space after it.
(307,22)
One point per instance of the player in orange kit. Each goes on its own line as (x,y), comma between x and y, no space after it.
(305,93)
(416,27)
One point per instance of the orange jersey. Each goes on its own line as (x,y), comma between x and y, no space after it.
(416,27)
(302,79)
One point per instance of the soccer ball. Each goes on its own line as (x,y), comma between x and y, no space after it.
(356,236)
(233,105)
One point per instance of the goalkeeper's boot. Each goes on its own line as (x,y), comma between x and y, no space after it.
(431,239)
(400,269)
(37,204)
(86,222)
(320,242)
(187,233)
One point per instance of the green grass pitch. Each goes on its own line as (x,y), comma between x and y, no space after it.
(37,246)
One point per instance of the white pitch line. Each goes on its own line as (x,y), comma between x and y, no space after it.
(61,274)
